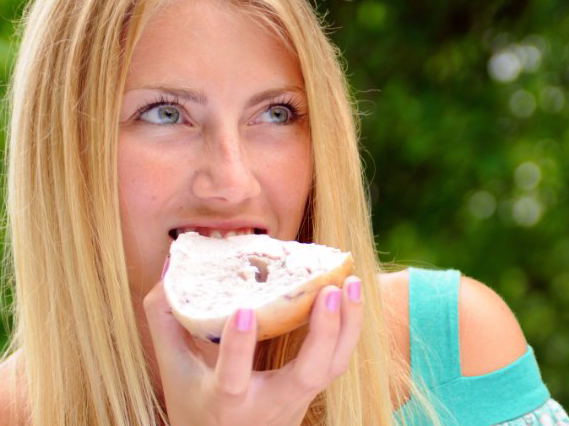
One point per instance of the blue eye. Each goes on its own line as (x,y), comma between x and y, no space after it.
(162,114)
(280,114)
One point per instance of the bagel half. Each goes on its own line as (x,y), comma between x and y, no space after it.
(210,278)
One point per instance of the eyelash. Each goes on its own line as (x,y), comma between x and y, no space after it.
(292,105)
(161,100)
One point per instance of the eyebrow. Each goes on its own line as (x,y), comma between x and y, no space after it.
(200,98)
(273,93)
(186,94)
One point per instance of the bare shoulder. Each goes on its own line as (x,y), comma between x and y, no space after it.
(9,399)
(395,301)
(490,335)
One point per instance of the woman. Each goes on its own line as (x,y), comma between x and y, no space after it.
(133,121)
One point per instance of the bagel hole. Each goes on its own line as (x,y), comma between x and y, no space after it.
(262,268)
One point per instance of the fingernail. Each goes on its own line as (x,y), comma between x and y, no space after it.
(243,319)
(333,300)
(165,267)
(354,291)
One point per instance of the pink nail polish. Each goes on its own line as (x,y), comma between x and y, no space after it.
(165,267)
(333,300)
(243,319)
(354,291)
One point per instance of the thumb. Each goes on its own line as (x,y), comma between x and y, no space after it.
(171,341)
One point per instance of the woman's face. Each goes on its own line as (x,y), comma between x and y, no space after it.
(213,136)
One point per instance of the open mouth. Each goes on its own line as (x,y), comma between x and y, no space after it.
(216,233)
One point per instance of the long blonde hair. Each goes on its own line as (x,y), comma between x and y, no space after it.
(74,322)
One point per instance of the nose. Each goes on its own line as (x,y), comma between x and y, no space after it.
(227,173)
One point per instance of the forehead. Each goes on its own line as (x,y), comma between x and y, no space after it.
(202,39)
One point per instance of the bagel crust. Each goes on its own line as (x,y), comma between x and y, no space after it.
(208,279)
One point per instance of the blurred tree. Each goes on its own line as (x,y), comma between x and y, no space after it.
(464,131)
(464,110)
(10,12)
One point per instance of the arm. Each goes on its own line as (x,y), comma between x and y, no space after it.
(490,336)
(490,340)
(489,373)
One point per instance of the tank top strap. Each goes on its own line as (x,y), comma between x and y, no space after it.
(433,323)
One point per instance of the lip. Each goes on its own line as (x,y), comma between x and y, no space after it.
(222,226)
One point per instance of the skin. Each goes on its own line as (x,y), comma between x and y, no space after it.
(218,168)
(224,165)
(231,152)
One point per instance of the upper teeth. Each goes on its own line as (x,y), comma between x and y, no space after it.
(215,233)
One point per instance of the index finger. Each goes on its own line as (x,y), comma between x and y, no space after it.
(171,341)
(236,353)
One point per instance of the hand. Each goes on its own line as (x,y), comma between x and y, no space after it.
(232,393)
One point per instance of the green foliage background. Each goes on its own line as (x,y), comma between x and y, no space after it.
(464,127)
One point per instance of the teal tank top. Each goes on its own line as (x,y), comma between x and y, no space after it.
(502,395)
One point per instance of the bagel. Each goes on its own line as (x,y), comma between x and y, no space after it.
(210,278)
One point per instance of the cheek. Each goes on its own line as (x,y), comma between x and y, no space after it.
(137,190)
(142,177)
(288,179)
(298,180)
(141,180)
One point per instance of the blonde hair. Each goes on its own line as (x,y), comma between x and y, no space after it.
(74,323)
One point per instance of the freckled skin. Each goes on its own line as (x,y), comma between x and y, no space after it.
(225,159)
